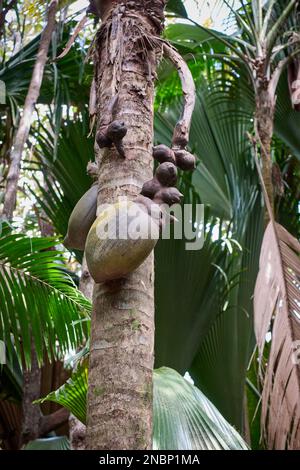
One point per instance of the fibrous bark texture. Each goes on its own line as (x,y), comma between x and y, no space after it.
(77,428)
(264,123)
(31,392)
(122,337)
(25,121)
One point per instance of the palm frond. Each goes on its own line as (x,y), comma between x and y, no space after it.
(277,312)
(176,7)
(184,419)
(73,394)
(61,81)
(208,326)
(50,443)
(65,171)
(38,299)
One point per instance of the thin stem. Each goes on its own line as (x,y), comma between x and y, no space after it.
(274,31)
(257,13)
(251,24)
(283,47)
(182,128)
(253,388)
(262,182)
(25,121)
(280,68)
(267,19)
(239,17)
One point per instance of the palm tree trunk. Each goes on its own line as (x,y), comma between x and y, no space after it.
(31,413)
(25,121)
(264,125)
(122,336)
(86,284)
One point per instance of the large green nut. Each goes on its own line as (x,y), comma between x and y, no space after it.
(81,220)
(120,240)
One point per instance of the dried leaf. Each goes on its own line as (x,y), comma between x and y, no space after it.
(78,29)
(277,310)
(294,83)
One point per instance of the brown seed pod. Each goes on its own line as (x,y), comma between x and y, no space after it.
(120,148)
(145,201)
(166,174)
(150,188)
(150,207)
(168,196)
(116,131)
(162,154)
(185,160)
(180,141)
(81,219)
(102,140)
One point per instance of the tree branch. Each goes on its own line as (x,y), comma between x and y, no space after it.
(280,68)
(182,129)
(25,121)
(4,13)
(51,422)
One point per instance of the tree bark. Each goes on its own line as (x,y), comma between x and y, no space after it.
(122,333)
(264,120)
(86,283)
(53,421)
(25,121)
(31,414)
(77,434)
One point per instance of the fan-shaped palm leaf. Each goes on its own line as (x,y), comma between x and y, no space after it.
(50,443)
(72,395)
(184,419)
(225,180)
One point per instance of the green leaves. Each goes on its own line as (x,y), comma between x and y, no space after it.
(184,419)
(72,395)
(65,172)
(203,317)
(62,80)
(50,443)
(188,294)
(177,7)
(39,301)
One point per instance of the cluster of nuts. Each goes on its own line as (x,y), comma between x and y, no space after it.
(161,189)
